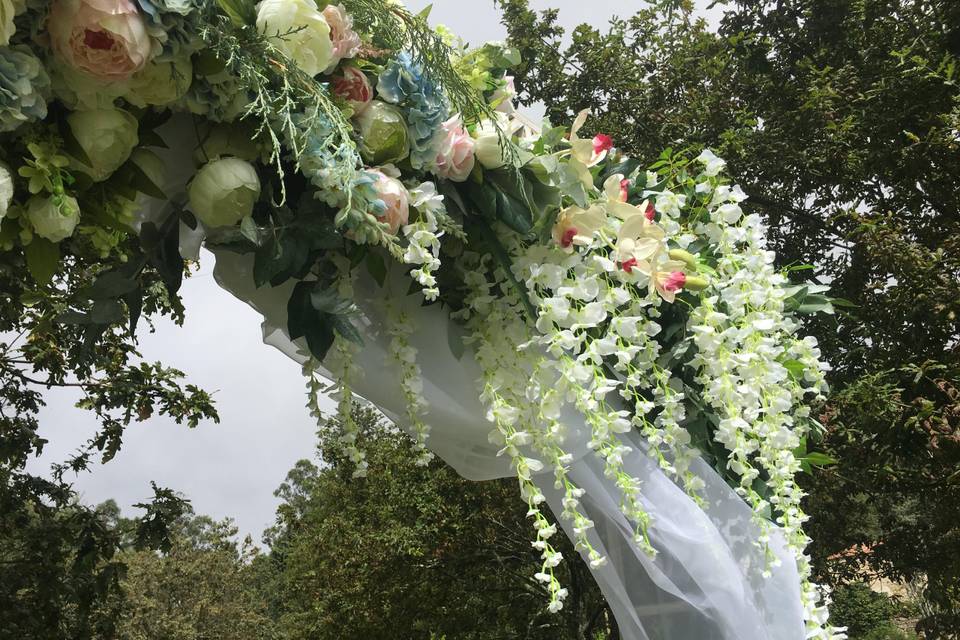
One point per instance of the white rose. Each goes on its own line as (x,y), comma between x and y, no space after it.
(224,191)
(488,150)
(107,136)
(299,30)
(9,9)
(53,221)
(6,188)
(489,144)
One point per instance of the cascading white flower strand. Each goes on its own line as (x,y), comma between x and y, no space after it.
(513,384)
(757,374)
(411,381)
(423,236)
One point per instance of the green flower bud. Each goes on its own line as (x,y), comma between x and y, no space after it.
(695,283)
(686,257)
(107,136)
(383,133)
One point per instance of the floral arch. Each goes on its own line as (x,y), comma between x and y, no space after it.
(525,301)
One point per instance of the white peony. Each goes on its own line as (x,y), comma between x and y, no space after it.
(107,136)
(299,30)
(53,221)
(9,9)
(224,191)
(6,189)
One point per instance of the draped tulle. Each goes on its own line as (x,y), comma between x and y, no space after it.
(706,581)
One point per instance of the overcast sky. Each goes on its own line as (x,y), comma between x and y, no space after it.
(231,469)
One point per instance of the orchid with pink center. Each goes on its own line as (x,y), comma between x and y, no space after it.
(638,243)
(602,143)
(588,152)
(616,188)
(576,226)
(667,279)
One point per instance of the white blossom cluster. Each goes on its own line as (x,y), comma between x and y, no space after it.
(411,381)
(423,236)
(757,375)
(514,382)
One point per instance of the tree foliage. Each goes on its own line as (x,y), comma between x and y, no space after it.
(411,552)
(58,558)
(842,121)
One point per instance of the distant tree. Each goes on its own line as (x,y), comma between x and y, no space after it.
(58,559)
(411,551)
(198,590)
(841,120)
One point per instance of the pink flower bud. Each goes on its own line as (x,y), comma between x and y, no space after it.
(650,213)
(675,281)
(354,87)
(602,142)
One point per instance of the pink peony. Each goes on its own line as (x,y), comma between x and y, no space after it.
(104,38)
(346,41)
(455,157)
(354,87)
(396,198)
(602,143)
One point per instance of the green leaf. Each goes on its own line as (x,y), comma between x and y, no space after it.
(249,230)
(112,284)
(484,199)
(162,249)
(281,257)
(43,258)
(795,368)
(819,460)
(140,181)
(106,312)
(513,213)
(346,328)
(425,14)
(72,146)
(134,302)
(150,138)
(328,300)
(376,267)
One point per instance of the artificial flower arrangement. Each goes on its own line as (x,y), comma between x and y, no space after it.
(332,138)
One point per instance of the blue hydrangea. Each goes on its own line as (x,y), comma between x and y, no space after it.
(24,84)
(404,84)
(170,22)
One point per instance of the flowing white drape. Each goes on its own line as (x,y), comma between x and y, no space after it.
(705,583)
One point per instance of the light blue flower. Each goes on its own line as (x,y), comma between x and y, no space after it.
(24,84)
(172,23)
(404,84)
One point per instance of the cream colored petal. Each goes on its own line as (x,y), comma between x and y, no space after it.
(624,210)
(612,187)
(578,123)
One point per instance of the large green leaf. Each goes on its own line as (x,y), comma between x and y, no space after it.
(43,258)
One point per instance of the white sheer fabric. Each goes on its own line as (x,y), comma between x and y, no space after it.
(704,584)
